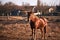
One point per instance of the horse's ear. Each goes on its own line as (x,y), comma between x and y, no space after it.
(28,15)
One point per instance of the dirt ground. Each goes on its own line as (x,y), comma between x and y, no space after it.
(20,30)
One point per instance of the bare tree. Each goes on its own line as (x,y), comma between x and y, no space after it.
(0,3)
(9,4)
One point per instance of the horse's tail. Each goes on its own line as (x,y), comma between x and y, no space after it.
(44,29)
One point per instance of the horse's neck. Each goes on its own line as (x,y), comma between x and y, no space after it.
(34,18)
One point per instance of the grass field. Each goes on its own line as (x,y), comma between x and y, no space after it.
(20,30)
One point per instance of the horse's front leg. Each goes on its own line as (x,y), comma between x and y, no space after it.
(32,34)
(35,31)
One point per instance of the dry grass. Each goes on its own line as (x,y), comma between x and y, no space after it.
(22,31)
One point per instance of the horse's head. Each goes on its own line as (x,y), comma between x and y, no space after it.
(29,14)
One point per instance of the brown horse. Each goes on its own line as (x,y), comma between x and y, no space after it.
(37,23)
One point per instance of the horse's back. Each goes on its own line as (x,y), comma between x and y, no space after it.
(40,23)
(44,20)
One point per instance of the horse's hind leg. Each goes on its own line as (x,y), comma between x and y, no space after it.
(44,31)
(41,33)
